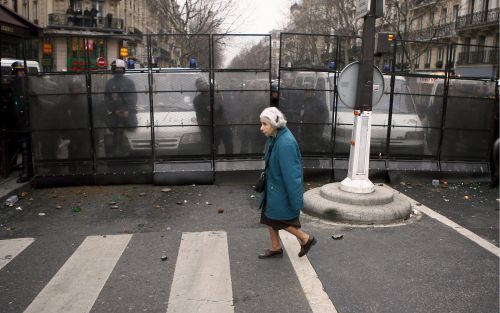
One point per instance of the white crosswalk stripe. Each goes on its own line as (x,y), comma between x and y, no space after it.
(10,248)
(76,286)
(312,286)
(201,279)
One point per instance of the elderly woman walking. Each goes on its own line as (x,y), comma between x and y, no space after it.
(282,199)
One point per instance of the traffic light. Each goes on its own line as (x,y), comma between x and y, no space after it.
(384,42)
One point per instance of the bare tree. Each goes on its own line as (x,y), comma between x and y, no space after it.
(406,19)
(331,17)
(194,19)
(255,57)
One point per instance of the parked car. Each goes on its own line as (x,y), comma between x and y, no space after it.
(407,132)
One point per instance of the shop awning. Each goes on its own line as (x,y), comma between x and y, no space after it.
(13,24)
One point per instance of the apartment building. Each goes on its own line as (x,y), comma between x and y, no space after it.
(78,33)
(478,32)
(463,32)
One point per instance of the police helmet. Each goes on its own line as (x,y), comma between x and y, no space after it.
(118,63)
(17,66)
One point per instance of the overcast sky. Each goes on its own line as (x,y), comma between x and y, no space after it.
(261,16)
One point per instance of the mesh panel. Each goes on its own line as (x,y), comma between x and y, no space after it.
(61,145)
(240,107)
(462,145)
(239,140)
(242,81)
(65,111)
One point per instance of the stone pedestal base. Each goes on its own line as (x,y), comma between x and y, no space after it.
(382,206)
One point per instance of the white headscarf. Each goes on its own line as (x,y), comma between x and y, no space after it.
(275,117)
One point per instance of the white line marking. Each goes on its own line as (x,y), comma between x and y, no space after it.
(202,277)
(78,283)
(313,288)
(459,229)
(10,248)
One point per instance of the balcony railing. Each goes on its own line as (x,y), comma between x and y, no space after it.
(100,23)
(438,31)
(478,57)
(483,18)
(421,3)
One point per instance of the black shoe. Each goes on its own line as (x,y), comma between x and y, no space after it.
(271,254)
(305,248)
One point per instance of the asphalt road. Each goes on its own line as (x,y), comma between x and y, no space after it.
(423,266)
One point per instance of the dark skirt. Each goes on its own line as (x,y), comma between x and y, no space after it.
(278,225)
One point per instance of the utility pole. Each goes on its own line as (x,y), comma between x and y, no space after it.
(357,177)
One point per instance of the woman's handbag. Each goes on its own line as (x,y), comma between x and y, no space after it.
(260,186)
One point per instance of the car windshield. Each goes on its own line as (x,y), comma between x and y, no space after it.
(172,92)
(167,102)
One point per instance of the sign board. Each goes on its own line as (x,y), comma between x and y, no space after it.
(347,85)
(362,8)
(101,62)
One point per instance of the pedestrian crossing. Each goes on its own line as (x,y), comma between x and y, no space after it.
(9,249)
(202,279)
(77,284)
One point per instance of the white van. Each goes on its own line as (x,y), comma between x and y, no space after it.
(407,132)
(33,66)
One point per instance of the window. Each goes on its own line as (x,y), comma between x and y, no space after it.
(99,5)
(485,5)
(440,54)
(26,10)
(79,5)
(481,41)
(466,48)
(456,10)
(444,13)
(471,6)
(416,59)
(428,57)
(452,52)
(35,10)
(420,22)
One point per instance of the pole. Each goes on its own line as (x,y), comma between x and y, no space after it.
(357,177)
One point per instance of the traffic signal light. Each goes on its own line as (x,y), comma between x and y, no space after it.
(384,42)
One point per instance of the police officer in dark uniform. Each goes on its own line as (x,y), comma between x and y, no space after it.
(121,103)
(5,103)
(20,122)
(313,118)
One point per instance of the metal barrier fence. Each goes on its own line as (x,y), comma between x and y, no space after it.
(436,120)
(192,107)
(163,120)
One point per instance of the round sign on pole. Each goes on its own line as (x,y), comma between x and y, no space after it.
(101,62)
(348,80)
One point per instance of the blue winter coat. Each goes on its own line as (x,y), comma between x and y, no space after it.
(284,177)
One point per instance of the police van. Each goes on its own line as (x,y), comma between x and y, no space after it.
(33,66)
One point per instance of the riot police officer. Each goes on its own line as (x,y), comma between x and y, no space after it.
(121,103)
(20,122)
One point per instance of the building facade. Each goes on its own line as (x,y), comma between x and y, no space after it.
(81,34)
(463,33)
(478,32)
